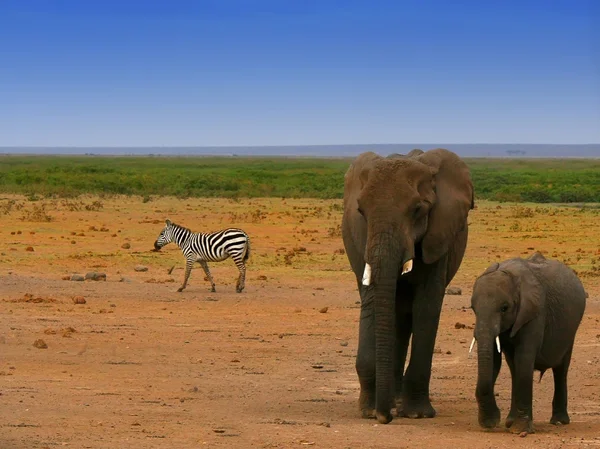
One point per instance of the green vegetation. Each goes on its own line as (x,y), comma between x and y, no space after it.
(528,180)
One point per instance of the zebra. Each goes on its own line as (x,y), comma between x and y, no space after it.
(207,247)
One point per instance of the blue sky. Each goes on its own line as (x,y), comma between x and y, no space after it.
(293,72)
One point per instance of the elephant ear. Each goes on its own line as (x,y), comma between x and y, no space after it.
(454,199)
(531,296)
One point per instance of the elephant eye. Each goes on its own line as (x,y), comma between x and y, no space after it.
(504,308)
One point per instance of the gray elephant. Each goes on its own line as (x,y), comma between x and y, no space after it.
(531,308)
(405,232)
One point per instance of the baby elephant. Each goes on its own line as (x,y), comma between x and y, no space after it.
(531,308)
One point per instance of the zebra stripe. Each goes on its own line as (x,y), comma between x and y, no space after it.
(208,247)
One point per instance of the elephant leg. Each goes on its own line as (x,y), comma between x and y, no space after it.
(204,266)
(522,391)
(426,309)
(509,355)
(365,359)
(559,402)
(403,332)
(188,271)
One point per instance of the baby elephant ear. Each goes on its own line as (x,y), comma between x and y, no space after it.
(531,296)
(168,222)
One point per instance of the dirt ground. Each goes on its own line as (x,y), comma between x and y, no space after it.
(141,366)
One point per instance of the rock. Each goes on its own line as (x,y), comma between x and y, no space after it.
(79,300)
(460,326)
(324,310)
(454,291)
(262,277)
(77,277)
(40,344)
(29,248)
(66,278)
(93,276)
(140,268)
(124,280)
(343,343)
(125,246)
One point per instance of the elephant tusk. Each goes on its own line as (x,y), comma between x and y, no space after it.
(498,344)
(366,280)
(407,267)
(472,344)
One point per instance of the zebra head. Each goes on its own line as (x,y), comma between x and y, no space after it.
(165,236)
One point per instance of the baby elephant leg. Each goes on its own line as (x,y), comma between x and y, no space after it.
(559,402)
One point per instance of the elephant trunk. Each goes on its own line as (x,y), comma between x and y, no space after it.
(387,257)
(488,410)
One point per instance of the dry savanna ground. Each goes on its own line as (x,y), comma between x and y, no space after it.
(127,362)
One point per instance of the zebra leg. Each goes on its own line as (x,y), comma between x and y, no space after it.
(188,270)
(241,283)
(208,275)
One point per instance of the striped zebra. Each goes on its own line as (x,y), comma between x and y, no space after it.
(207,247)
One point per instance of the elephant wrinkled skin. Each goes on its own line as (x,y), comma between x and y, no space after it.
(405,232)
(533,308)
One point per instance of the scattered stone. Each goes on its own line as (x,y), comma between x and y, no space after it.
(29,248)
(94,276)
(126,246)
(40,344)
(448,352)
(79,300)
(324,310)
(67,331)
(460,326)
(140,268)
(454,291)
(317,366)
(124,280)
(49,331)
(262,277)
(344,343)
(73,242)
(235,361)
(77,277)
(66,277)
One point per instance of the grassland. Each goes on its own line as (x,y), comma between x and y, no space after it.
(514,180)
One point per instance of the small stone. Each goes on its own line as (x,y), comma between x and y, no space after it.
(460,326)
(262,277)
(324,310)
(78,300)
(77,277)
(343,343)
(66,278)
(40,344)
(29,248)
(140,268)
(93,276)
(126,246)
(454,291)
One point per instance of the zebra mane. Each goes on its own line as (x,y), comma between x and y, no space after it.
(177,226)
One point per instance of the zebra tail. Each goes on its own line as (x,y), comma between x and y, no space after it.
(247,255)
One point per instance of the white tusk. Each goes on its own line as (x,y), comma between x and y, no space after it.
(407,267)
(498,344)
(366,280)
(472,344)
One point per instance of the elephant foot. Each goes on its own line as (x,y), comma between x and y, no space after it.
(521,424)
(384,417)
(366,405)
(415,409)
(491,419)
(559,418)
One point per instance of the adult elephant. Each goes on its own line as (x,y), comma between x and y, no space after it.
(405,232)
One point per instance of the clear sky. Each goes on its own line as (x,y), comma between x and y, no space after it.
(294,72)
